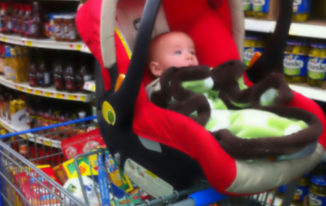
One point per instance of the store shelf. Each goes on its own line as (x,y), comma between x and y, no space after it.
(44,43)
(46,92)
(318,94)
(31,137)
(311,29)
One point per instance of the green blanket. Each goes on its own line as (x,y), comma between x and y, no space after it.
(248,122)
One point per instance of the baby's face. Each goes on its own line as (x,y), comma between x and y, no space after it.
(175,50)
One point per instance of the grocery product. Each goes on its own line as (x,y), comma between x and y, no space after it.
(252,44)
(301,9)
(317,65)
(317,189)
(295,61)
(260,8)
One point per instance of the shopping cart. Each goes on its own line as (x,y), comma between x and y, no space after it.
(24,181)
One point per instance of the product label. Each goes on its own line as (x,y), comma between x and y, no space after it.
(295,65)
(47,78)
(58,31)
(249,53)
(32,80)
(300,193)
(59,82)
(151,184)
(261,6)
(246,5)
(301,6)
(7,72)
(316,200)
(316,68)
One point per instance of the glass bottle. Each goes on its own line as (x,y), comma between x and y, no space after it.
(36,28)
(301,9)
(295,61)
(7,20)
(58,73)
(20,19)
(7,62)
(32,70)
(84,74)
(69,75)
(2,15)
(27,20)
(14,17)
(43,72)
(260,8)
(317,65)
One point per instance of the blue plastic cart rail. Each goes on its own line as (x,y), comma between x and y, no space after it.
(48,127)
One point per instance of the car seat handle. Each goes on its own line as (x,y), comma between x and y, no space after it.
(131,84)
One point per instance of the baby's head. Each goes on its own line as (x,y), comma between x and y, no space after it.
(172,49)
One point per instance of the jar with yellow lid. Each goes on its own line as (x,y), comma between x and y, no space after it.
(260,8)
(317,191)
(317,65)
(302,190)
(295,61)
(252,44)
(247,8)
(301,9)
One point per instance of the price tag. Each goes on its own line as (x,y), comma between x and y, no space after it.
(83,98)
(71,97)
(47,143)
(29,90)
(4,39)
(29,43)
(59,96)
(93,88)
(38,92)
(20,88)
(48,94)
(78,47)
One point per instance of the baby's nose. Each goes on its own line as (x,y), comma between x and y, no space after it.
(190,56)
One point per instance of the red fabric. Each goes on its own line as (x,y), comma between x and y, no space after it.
(89,15)
(214,47)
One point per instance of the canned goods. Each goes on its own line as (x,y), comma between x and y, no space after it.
(301,9)
(252,44)
(317,65)
(247,8)
(295,61)
(260,8)
(317,196)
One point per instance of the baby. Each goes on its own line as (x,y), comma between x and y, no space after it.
(207,100)
(171,49)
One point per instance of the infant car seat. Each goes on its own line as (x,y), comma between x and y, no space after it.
(162,150)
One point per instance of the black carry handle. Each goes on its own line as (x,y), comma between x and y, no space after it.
(131,84)
(272,57)
(123,101)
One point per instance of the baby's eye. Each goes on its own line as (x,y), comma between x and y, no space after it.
(177,52)
(193,52)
